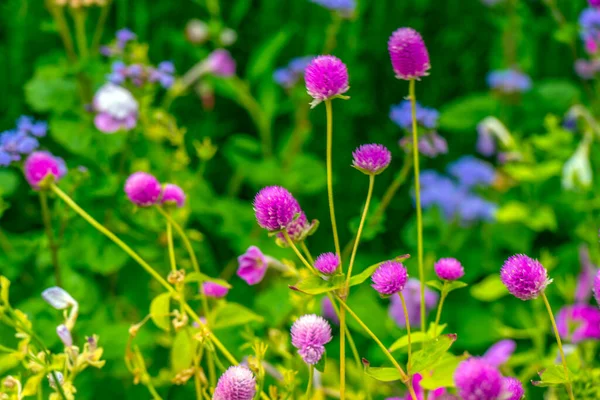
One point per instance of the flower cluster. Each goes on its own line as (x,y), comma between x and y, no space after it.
(40,165)
(327,263)
(449,269)
(116,109)
(22,140)
(326,77)
(139,75)
(371,159)
(509,81)
(237,383)
(431,144)
(219,63)
(389,278)
(310,334)
(475,379)
(288,76)
(144,190)
(122,38)
(524,277)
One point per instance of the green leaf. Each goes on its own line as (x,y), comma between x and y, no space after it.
(317,285)
(320,366)
(159,311)
(51,90)
(465,113)
(200,277)
(454,285)
(552,376)
(263,59)
(183,350)
(383,374)
(443,373)
(432,352)
(435,284)
(233,314)
(366,274)
(9,182)
(416,337)
(534,173)
(489,289)
(537,219)
(4,287)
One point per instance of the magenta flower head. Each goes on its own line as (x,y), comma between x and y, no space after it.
(449,269)
(252,265)
(579,322)
(214,290)
(390,278)
(142,189)
(326,77)
(237,383)
(408,53)
(327,263)
(499,352)
(371,159)
(275,208)
(310,334)
(172,195)
(597,287)
(477,380)
(41,166)
(524,277)
(220,63)
(513,388)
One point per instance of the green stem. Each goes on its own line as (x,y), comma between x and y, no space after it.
(343,330)
(311,372)
(560,346)
(79,15)
(336,239)
(439,310)
(171,247)
(97,38)
(413,102)
(407,328)
(50,234)
(184,238)
(307,252)
(290,243)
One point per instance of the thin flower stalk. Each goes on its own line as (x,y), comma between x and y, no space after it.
(47,218)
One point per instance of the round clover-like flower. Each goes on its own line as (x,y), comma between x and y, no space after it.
(252,265)
(390,278)
(143,189)
(237,383)
(408,53)
(524,277)
(275,208)
(214,290)
(327,263)
(116,109)
(220,63)
(578,322)
(326,77)
(310,334)
(477,380)
(371,159)
(449,269)
(597,287)
(514,388)
(41,164)
(173,195)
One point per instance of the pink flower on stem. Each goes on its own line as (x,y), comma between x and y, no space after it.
(116,109)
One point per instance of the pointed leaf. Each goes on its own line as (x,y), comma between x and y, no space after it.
(160,309)
(317,285)
(489,289)
(416,337)
(431,353)
(366,274)
(455,285)
(320,366)
(183,350)
(233,314)
(443,373)
(552,376)
(383,374)
(435,284)
(199,277)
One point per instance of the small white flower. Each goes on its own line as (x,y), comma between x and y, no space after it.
(116,101)
(58,298)
(494,127)
(65,335)
(577,171)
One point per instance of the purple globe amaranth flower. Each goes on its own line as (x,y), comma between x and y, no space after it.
(41,165)
(220,63)
(214,290)
(252,265)
(371,159)
(509,81)
(310,334)
(477,380)
(275,208)
(449,269)
(389,278)
(597,287)
(298,230)
(326,77)
(116,109)
(499,352)
(579,322)
(513,388)
(412,298)
(172,195)
(143,189)
(237,383)
(524,277)
(408,53)
(328,311)
(327,263)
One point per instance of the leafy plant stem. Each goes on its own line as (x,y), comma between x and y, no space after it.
(50,234)
(439,310)
(329,112)
(311,373)
(407,327)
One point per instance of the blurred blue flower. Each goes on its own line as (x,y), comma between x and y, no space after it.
(509,81)
(471,171)
(123,36)
(22,140)
(290,74)
(401,114)
(5,158)
(337,5)
(589,20)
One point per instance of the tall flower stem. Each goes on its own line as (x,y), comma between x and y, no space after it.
(343,330)
(560,346)
(171,247)
(415,146)
(188,309)
(50,234)
(405,378)
(407,327)
(311,373)
(443,295)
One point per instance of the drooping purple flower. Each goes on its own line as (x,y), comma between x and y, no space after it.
(579,322)
(337,5)
(412,298)
(499,353)
(513,387)
(252,265)
(585,280)
(410,59)
(328,311)
(477,380)
(173,194)
(326,77)
(275,208)
(64,335)
(214,290)
(389,278)
(597,287)
(449,269)
(143,189)
(237,383)
(509,81)
(371,159)
(310,334)
(41,164)
(524,277)
(116,109)
(220,63)
(327,263)
(401,115)
(471,171)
